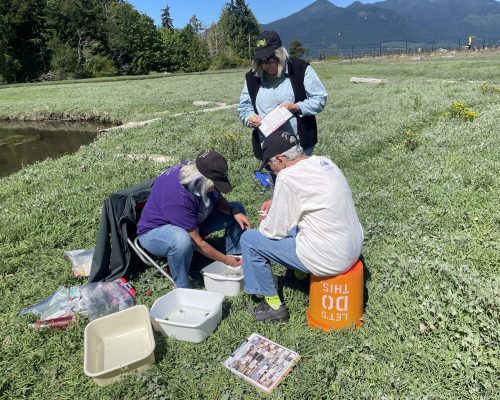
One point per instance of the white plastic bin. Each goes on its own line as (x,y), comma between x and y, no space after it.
(219,277)
(187,314)
(118,343)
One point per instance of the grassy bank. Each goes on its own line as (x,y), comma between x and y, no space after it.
(425,182)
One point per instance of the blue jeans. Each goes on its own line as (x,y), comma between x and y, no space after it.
(176,245)
(258,251)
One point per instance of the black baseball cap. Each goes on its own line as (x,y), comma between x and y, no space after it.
(276,143)
(267,43)
(213,165)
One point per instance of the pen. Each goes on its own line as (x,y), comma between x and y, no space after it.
(60,322)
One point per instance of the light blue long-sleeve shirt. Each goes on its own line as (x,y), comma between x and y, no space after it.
(269,96)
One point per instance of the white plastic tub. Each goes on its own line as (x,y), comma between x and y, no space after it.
(118,343)
(187,314)
(219,277)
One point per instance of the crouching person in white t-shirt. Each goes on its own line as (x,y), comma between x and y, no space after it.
(311,224)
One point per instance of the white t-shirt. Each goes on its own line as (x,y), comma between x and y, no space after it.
(314,195)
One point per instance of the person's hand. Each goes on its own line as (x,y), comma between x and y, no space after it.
(254,121)
(266,206)
(242,221)
(264,209)
(233,261)
(292,107)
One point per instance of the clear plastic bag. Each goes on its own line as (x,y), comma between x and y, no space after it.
(103,298)
(58,305)
(81,261)
(94,299)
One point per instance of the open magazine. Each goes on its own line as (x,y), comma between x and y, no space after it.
(262,362)
(272,121)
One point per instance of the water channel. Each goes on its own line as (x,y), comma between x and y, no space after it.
(23,143)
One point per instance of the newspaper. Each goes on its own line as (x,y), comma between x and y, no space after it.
(262,362)
(272,121)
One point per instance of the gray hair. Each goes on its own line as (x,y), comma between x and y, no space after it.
(195,181)
(281,54)
(292,153)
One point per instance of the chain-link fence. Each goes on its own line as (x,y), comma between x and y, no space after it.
(404,47)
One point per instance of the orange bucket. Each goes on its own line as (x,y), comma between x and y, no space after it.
(336,302)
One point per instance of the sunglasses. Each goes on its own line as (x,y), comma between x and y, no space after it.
(270,60)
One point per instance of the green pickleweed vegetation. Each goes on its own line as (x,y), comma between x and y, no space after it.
(488,88)
(426,192)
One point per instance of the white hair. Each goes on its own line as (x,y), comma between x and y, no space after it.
(281,54)
(195,181)
(292,153)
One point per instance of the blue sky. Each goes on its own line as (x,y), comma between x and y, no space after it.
(208,11)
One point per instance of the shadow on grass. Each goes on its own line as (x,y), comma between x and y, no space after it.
(367,277)
(161,346)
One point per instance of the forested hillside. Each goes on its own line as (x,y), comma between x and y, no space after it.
(59,39)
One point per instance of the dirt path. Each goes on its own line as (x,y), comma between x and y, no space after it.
(140,124)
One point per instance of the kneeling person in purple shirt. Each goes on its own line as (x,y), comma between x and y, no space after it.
(184,206)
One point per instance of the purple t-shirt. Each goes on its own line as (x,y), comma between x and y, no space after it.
(171,203)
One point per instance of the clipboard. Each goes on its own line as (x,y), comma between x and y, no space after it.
(272,121)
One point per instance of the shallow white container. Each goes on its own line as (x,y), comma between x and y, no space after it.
(118,343)
(187,314)
(219,277)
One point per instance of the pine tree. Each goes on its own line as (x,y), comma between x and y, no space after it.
(22,49)
(240,28)
(296,49)
(197,26)
(166,19)
(134,40)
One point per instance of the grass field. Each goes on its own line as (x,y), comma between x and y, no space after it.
(422,156)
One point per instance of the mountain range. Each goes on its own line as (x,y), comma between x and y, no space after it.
(322,26)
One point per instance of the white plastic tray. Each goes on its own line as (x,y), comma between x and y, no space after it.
(219,277)
(118,343)
(187,314)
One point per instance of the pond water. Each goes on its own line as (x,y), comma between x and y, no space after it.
(23,143)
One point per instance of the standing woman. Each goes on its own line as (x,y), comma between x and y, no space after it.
(184,206)
(278,79)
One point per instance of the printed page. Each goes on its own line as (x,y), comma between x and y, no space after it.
(274,120)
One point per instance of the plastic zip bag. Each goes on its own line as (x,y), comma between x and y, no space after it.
(103,298)
(93,299)
(81,261)
(60,304)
